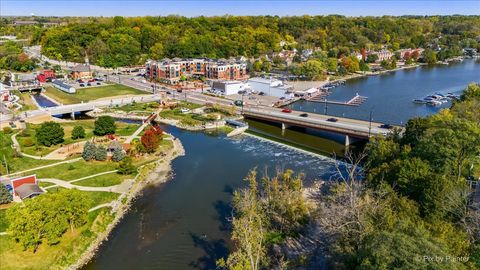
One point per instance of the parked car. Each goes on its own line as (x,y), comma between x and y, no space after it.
(238,103)
(261,94)
(184,110)
(386,126)
(92,80)
(89,84)
(80,81)
(332,119)
(282,98)
(82,85)
(98,83)
(287,110)
(304,115)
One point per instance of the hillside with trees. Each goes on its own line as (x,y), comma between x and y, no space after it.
(120,41)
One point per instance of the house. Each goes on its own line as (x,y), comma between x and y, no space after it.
(383,55)
(406,53)
(46,76)
(64,86)
(81,71)
(23,187)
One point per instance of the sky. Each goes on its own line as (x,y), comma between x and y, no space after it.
(191,8)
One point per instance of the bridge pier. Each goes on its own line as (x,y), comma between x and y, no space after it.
(72,115)
(284,126)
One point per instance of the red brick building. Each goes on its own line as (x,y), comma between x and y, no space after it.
(170,71)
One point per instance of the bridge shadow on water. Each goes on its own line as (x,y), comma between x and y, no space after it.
(214,249)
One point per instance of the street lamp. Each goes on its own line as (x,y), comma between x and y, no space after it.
(326,106)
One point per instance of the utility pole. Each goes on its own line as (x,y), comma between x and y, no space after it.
(370,124)
(326,106)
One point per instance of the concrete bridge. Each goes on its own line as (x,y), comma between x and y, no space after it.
(89,106)
(351,128)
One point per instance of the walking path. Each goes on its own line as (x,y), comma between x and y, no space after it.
(45,166)
(68,185)
(100,206)
(91,176)
(135,134)
(59,154)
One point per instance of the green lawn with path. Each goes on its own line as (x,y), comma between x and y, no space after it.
(105,180)
(91,93)
(76,170)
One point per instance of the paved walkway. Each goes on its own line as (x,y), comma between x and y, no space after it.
(66,184)
(91,176)
(100,206)
(135,134)
(55,155)
(45,166)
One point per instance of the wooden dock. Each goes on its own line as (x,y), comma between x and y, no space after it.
(357,100)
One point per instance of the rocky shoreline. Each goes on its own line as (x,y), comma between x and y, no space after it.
(153,173)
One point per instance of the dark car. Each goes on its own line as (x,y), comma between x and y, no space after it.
(169,93)
(332,119)
(386,126)
(179,91)
(261,94)
(89,84)
(304,115)
(98,83)
(82,85)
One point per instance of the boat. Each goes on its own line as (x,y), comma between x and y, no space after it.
(419,101)
(434,103)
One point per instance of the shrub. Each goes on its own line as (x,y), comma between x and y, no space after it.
(5,196)
(50,133)
(101,153)
(151,139)
(28,142)
(89,151)
(117,154)
(78,132)
(104,125)
(7,130)
(126,167)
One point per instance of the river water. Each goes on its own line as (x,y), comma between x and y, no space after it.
(390,95)
(182,224)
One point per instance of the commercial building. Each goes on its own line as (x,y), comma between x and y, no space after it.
(383,55)
(271,87)
(63,86)
(46,76)
(81,72)
(230,87)
(170,71)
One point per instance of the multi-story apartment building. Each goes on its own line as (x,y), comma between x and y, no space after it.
(170,71)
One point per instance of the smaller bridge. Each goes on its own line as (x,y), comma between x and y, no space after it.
(89,106)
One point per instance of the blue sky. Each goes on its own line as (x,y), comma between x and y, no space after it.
(218,7)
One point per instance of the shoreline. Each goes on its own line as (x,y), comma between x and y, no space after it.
(156,172)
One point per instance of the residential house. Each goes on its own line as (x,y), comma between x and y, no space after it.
(81,71)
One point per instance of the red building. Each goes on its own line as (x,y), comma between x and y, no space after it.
(25,187)
(46,76)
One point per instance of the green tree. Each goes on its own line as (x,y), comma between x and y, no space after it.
(89,150)
(5,196)
(126,166)
(104,125)
(49,133)
(78,132)
(118,154)
(429,57)
(101,153)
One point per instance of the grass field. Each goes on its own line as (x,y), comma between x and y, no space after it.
(28,144)
(105,180)
(14,161)
(87,94)
(3,220)
(26,101)
(75,170)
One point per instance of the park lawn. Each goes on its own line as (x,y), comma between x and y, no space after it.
(45,184)
(71,246)
(75,170)
(27,137)
(105,180)
(3,220)
(139,107)
(15,162)
(91,93)
(26,101)
(95,197)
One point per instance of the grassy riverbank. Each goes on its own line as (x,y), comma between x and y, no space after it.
(92,93)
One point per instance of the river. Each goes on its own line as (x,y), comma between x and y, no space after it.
(390,95)
(182,224)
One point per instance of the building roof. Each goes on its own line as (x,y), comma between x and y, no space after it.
(81,68)
(28,190)
(62,84)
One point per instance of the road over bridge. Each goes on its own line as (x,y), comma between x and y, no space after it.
(89,106)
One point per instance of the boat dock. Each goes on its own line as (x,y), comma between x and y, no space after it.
(357,100)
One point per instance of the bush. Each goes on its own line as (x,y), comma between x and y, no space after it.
(126,166)
(104,125)
(7,130)
(101,153)
(89,151)
(117,154)
(50,133)
(5,196)
(28,142)
(78,132)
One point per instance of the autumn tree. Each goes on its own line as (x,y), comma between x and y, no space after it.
(151,138)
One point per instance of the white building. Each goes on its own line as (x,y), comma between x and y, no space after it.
(63,86)
(271,87)
(229,87)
